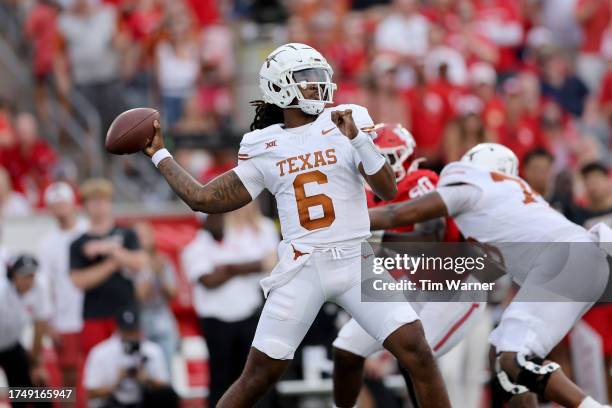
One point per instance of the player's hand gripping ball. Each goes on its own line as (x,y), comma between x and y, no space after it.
(131,131)
(345,123)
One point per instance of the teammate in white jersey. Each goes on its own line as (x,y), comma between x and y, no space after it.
(491,204)
(445,323)
(314,161)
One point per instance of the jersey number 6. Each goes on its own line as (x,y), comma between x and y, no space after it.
(304,202)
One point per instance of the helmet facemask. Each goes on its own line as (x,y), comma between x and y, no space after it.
(396,157)
(305,79)
(296,83)
(398,147)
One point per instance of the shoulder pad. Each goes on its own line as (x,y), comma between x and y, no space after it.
(254,143)
(459,173)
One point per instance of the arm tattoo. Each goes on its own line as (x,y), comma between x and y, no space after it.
(224,193)
(227,192)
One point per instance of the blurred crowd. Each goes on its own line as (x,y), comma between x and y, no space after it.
(534,75)
(529,74)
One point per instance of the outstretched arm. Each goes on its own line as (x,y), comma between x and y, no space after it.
(223,194)
(421,209)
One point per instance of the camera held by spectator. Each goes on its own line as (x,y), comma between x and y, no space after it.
(128,371)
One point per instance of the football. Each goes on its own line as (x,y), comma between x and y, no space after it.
(131,131)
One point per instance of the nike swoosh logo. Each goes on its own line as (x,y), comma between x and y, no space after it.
(324,132)
(366,256)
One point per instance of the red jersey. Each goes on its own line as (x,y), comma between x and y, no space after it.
(523,136)
(413,185)
(430,111)
(30,171)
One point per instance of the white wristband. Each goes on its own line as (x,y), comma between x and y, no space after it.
(160,155)
(371,159)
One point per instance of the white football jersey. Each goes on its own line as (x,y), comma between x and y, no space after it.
(312,171)
(506,210)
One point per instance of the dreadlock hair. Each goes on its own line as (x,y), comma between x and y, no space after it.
(266,114)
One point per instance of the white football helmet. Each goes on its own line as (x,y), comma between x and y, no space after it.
(291,67)
(494,157)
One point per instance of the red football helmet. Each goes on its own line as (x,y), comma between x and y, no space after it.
(398,146)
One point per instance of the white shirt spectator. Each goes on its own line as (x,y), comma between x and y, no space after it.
(457,70)
(67,299)
(238,298)
(18,312)
(91,52)
(13,315)
(107,360)
(499,25)
(177,74)
(404,35)
(560,18)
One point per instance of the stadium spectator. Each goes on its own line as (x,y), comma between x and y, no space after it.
(127,370)
(193,121)
(462,134)
(41,31)
(500,21)
(224,262)
(404,31)
(537,169)
(23,301)
(102,263)
(384,100)
(559,84)
(93,47)
(142,24)
(465,37)
(430,111)
(593,17)
(30,160)
(561,134)
(222,159)
(520,130)
(156,288)
(67,301)
(440,53)
(218,66)
(483,79)
(598,200)
(559,17)
(12,203)
(178,66)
